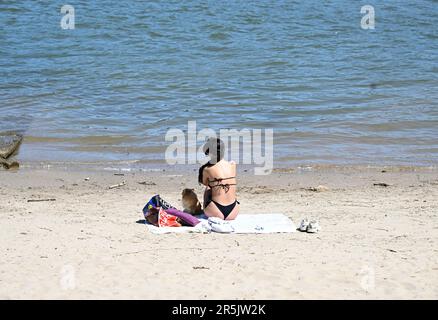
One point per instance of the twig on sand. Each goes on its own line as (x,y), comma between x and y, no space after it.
(40,200)
(42,228)
(117,185)
(381,184)
(201,268)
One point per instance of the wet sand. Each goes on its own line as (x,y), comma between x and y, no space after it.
(376,242)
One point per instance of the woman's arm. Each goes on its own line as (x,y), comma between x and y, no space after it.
(205,177)
(202,177)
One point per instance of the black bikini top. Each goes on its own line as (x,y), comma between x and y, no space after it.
(225,186)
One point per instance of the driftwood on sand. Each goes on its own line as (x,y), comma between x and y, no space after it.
(9,164)
(117,185)
(9,144)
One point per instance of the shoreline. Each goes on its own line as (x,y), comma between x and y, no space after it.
(148,166)
(86,243)
(52,154)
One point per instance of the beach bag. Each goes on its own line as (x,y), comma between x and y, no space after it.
(167,220)
(161,214)
(160,218)
(154,212)
(156,202)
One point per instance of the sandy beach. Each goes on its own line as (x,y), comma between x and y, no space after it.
(103,106)
(376,241)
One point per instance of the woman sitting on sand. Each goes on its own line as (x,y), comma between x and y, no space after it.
(219,177)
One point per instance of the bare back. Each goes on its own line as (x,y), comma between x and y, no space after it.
(221,179)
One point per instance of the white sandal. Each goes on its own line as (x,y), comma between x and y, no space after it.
(313,227)
(303,225)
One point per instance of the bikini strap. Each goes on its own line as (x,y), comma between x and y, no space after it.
(220,179)
(225,186)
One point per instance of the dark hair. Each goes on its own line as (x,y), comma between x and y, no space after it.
(201,172)
(213,144)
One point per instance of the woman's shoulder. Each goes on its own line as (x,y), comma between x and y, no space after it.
(227,164)
(231,167)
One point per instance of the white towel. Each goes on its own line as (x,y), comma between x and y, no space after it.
(244,223)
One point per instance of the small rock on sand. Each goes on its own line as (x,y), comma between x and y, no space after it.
(319,188)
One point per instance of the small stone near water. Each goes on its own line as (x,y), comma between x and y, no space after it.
(147,183)
(319,188)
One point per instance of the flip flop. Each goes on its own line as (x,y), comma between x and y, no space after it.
(313,227)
